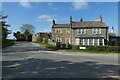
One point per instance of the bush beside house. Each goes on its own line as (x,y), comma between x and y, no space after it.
(109,49)
(114,49)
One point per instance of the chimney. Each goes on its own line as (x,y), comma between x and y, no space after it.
(112,30)
(53,22)
(70,19)
(101,20)
(81,20)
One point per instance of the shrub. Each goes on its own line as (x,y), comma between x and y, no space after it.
(75,47)
(39,40)
(63,46)
(46,40)
(117,42)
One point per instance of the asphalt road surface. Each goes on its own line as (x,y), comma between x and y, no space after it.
(29,60)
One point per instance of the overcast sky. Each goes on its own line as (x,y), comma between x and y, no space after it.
(41,14)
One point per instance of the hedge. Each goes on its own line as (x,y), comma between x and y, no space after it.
(114,49)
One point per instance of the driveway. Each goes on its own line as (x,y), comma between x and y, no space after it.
(28,60)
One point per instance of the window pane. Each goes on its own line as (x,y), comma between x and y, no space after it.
(99,31)
(86,41)
(84,31)
(81,41)
(79,31)
(100,41)
(90,41)
(95,40)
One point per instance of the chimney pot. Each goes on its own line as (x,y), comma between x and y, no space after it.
(81,20)
(70,19)
(53,22)
(101,20)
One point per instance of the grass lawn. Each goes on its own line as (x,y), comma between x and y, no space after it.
(50,46)
(89,51)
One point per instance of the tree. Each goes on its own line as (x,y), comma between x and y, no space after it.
(4,33)
(19,36)
(117,42)
(4,26)
(28,36)
(27,30)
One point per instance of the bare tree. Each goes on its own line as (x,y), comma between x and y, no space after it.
(27,30)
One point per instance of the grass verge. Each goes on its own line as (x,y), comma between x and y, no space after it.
(49,46)
(7,43)
(86,50)
(53,47)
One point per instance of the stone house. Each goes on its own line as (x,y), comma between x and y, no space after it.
(43,35)
(113,37)
(88,33)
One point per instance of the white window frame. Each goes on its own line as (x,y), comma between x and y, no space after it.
(58,39)
(58,31)
(98,30)
(98,43)
(67,31)
(81,31)
(88,42)
(94,30)
(83,41)
(103,42)
(84,31)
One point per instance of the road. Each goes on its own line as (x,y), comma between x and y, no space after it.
(29,60)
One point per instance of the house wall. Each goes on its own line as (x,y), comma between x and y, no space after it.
(88,32)
(62,35)
(41,35)
(74,34)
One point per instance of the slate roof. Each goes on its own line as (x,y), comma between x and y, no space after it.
(112,34)
(61,26)
(81,24)
(89,36)
(88,24)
